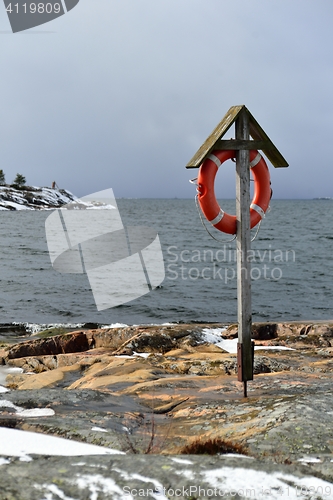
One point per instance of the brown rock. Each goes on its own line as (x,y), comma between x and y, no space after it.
(71,342)
(113,338)
(260,331)
(231,332)
(3,356)
(264,331)
(119,372)
(39,380)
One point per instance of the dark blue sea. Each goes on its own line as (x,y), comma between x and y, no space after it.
(292,268)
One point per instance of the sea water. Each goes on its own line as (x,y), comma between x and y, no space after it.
(291,268)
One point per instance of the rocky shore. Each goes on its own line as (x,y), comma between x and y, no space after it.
(172,390)
(33,198)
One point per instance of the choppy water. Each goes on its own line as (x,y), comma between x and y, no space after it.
(292,268)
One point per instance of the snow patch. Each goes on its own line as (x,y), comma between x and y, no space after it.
(248,483)
(144,355)
(54,490)
(8,404)
(4,371)
(99,484)
(214,336)
(36,412)
(310,460)
(31,412)
(181,461)
(141,354)
(17,443)
(159,495)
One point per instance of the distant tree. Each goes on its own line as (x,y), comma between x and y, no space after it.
(2,178)
(19,180)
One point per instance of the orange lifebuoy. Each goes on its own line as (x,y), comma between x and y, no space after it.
(206,194)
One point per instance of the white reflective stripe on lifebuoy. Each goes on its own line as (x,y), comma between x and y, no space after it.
(255,160)
(215,159)
(218,218)
(258,209)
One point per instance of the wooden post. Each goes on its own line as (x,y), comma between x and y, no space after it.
(246,125)
(244,348)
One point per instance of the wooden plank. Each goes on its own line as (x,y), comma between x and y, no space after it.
(255,130)
(238,144)
(218,132)
(243,248)
(273,154)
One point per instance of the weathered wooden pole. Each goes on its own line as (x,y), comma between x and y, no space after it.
(245,126)
(244,347)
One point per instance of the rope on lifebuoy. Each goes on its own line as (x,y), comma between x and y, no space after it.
(204,225)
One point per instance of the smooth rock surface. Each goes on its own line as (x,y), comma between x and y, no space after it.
(158,389)
(156,477)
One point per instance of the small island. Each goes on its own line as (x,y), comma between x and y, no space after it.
(19,196)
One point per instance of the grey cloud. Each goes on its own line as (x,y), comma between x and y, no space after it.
(123,93)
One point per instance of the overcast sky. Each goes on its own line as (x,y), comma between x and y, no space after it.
(121,93)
